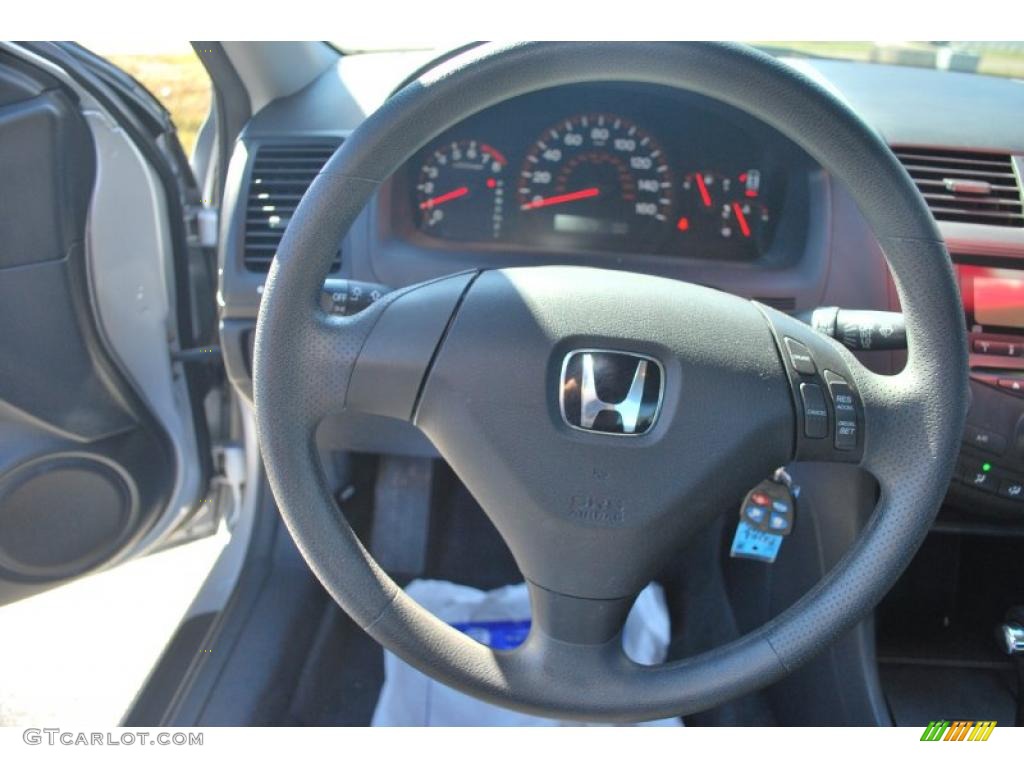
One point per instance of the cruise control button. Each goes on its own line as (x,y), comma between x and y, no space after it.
(800,357)
(815,411)
(985,440)
(844,402)
(1012,489)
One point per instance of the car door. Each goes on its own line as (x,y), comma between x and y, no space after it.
(107,319)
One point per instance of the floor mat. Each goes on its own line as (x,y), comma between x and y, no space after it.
(918,694)
(342,677)
(498,618)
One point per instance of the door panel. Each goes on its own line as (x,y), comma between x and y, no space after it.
(85,467)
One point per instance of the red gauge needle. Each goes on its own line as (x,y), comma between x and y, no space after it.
(441,199)
(705,196)
(741,219)
(543,202)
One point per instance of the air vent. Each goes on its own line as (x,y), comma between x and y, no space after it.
(971,187)
(280,176)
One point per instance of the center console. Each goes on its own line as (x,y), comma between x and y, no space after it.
(989,481)
(937,632)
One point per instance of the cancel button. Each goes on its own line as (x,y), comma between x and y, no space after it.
(815,410)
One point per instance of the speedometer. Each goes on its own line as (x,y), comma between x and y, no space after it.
(596,177)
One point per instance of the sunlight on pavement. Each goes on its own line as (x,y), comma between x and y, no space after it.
(78,654)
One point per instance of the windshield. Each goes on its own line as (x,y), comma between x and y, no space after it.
(1002,59)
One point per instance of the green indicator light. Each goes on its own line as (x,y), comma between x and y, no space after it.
(986,467)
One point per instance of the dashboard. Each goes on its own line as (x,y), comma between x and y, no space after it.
(607,167)
(651,179)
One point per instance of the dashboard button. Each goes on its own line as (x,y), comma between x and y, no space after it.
(990,347)
(800,357)
(1016,386)
(983,481)
(1012,489)
(815,411)
(985,440)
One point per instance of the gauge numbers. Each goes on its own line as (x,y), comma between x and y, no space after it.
(596,177)
(460,194)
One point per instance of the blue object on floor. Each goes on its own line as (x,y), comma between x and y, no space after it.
(500,635)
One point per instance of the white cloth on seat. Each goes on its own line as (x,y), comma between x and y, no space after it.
(499,618)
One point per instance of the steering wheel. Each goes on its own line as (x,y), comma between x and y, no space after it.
(600,418)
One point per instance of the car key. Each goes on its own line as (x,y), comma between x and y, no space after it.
(767,515)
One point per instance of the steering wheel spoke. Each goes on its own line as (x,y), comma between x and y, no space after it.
(374,362)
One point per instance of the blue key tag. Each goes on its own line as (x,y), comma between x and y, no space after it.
(754,544)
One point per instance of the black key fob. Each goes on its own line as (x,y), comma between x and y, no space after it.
(770,508)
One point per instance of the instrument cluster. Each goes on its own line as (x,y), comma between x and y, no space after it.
(616,167)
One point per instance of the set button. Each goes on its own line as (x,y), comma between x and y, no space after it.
(844,402)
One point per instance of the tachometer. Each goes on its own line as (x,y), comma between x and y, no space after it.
(461,191)
(596,177)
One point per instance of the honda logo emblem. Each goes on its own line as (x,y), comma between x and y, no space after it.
(617,393)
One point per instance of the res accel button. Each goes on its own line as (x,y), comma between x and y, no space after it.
(815,410)
(845,404)
(800,357)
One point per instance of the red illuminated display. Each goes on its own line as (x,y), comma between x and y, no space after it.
(994,297)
